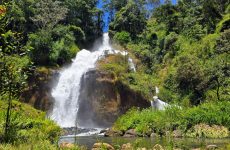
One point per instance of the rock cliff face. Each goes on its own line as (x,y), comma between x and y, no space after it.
(38,93)
(103,99)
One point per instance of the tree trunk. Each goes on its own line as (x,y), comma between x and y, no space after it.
(218,89)
(8,114)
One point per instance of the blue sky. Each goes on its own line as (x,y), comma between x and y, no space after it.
(106,15)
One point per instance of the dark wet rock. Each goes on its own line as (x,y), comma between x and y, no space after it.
(104,146)
(40,84)
(113,133)
(75,131)
(211,147)
(130,133)
(104,130)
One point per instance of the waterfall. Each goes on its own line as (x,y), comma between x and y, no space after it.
(67,91)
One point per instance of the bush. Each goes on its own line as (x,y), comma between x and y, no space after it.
(122,38)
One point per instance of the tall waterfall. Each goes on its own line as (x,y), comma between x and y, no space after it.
(67,91)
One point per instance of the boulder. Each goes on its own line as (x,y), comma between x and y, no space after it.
(103,131)
(143,148)
(158,147)
(211,147)
(130,133)
(66,145)
(154,135)
(113,133)
(104,146)
(127,146)
(177,134)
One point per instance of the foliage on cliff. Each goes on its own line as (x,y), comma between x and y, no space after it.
(117,66)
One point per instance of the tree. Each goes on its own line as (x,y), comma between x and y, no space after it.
(190,78)
(14,65)
(122,38)
(85,14)
(129,19)
(48,13)
(219,66)
(168,14)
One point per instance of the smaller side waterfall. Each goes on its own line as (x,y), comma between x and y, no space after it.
(157,103)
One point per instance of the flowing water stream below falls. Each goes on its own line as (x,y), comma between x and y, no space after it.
(148,143)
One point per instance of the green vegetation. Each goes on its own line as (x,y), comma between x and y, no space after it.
(175,118)
(184,50)
(29,128)
(34,35)
(184,47)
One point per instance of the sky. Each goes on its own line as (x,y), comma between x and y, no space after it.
(106,15)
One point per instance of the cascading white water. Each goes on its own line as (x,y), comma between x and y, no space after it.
(67,91)
(157,103)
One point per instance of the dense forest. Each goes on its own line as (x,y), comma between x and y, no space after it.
(181,48)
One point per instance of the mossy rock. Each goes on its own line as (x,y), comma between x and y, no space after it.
(206,131)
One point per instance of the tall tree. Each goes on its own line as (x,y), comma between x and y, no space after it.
(48,13)
(86,15)
(129,19)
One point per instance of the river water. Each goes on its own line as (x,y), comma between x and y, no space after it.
(167,143)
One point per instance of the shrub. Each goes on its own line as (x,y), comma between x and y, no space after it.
(122,37)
